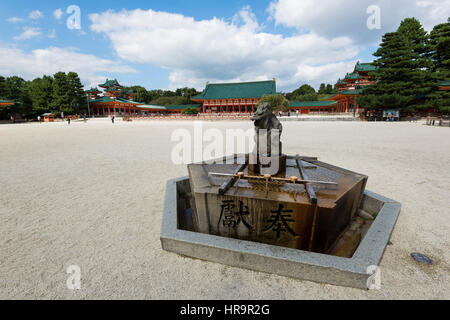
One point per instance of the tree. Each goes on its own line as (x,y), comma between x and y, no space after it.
(187,93)
(142,95)
(155,94)
(14,86)
(60,94)
(277,101)
(167,101)
(190,110)
(322,89)
(3,92)
(40,91)
(403,74)
(440,49)
(329,89)
(440,55)
(304,89)
(77,96)
(25,108)
(304,93)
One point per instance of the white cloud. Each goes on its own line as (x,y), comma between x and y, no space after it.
(48,61)
(332,18)
(58,13)
(217,50)
(28,34)
(15,20)
(36,14)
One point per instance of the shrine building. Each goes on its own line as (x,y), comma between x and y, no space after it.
(352,86)
(344,100)
(6,103)
(444,85)
(118,101)
(233,97)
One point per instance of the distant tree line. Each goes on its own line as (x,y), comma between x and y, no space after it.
(308,93)
(58,93)
(166,98)
(64,93)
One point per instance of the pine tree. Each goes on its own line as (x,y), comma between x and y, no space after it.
(404,70)
(329,89)
(440,49)
(322,89)
(61,100)
(440,54)
(77,97)
(14,86)
(40,91)
(3,92)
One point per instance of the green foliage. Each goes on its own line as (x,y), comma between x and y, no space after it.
(277,101)
(2,87)
(330,89)
(440,49)
(40,91)
(164,97)
(77,97)
(322,97)
(60,94)
(440,54)
(404,70)
(14,86)
(325,89)
(142,94)
(306,97)
(303,90)
(190,110)
(67,94)
(168,101)
(187,93)
(322,89)
(308,93)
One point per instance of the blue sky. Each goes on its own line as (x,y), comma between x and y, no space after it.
(169,44)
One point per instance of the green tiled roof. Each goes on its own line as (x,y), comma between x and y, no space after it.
(101,99)
(147,106)
(184,106)
(6,101)
(353,76)
(113,88)
(125,101)
(349,92)
(365,67)
(237,90)
(109,99)
(93,90)
(444,83)
(341,82)
(109,83)
(305,104)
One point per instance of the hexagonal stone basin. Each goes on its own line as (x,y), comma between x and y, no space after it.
(342,264)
